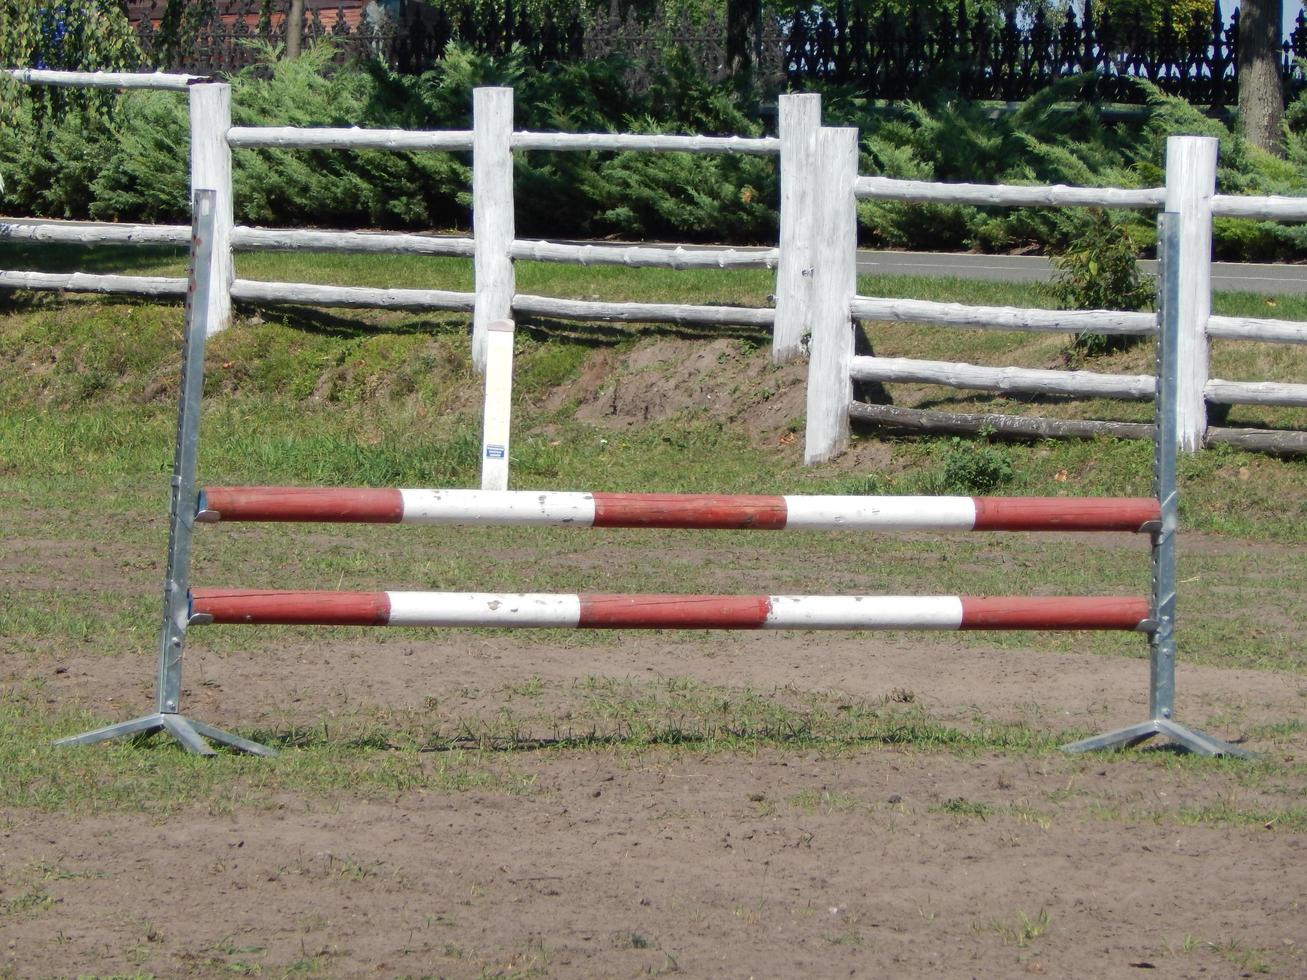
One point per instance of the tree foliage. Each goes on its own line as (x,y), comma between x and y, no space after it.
(1185,17)
(76,35)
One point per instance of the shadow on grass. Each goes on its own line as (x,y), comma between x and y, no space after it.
(609,334)
(130,260)
(323,322)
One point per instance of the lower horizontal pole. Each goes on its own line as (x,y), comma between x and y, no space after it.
(726,612)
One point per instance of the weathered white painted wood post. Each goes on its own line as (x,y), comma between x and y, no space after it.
(799,122)
(1190,184)
(834,281)
(492,212)
(210,106)
(497,418)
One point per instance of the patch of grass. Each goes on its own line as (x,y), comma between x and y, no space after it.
(606,713)
(826,801)
(1023,930)
(119,776)
(1246,958)
(28,903)
(962,807)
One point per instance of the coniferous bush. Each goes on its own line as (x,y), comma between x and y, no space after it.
(129,164)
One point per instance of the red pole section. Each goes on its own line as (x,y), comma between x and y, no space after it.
(689,510)
(327,504)
(267,608)
(684,612)
(1054,613)
(1066,513)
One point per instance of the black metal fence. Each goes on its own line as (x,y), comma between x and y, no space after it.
(997,57)
(977,55)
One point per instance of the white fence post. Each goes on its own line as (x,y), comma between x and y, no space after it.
(210,106)
(497,419)
(1190,185)
(799,122)
(834,282)
(492,212)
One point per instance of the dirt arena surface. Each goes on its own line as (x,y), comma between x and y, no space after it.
(874,860)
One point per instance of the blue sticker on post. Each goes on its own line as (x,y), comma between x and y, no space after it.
(494,452)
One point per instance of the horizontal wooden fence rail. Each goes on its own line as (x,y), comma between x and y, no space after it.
(1259,208)
(637,256)
(1219,392)
(85,282)
(577,309)
(1003,317)
(107,79)
(922,421)
(1007,195)
(352,297)
(1252,328)
(290,240)
(78,233)
(308,138)
(1009,380)
(617,142)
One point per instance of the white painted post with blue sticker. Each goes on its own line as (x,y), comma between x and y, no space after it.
(499,405)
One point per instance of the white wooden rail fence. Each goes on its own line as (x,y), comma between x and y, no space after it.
(815,299)
(1191,191)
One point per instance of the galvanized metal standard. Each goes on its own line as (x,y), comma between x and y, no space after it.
(1162,646)
(176,604)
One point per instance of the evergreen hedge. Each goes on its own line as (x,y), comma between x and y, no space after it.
(130,164)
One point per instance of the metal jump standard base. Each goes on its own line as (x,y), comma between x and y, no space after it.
(176,603)
(1161,641)
(183,607)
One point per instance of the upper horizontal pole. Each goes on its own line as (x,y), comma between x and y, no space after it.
(687,511)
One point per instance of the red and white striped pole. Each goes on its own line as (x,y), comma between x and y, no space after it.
(594,611)
(691,511)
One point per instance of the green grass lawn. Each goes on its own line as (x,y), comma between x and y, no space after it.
(87,391)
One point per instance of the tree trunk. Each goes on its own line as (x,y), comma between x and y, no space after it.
(294,28)
(1261,94)
(743,22)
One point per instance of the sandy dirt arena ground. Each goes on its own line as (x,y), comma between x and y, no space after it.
(869,860)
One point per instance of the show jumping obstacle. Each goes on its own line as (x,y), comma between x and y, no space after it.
(185,607)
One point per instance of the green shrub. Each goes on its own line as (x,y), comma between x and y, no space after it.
(1100,271)
(974,467)
(129,164)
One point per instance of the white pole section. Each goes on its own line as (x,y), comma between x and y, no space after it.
(498,417)
(834,280)
(800,120)
(492,212)
(1190,187)
(211,170)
